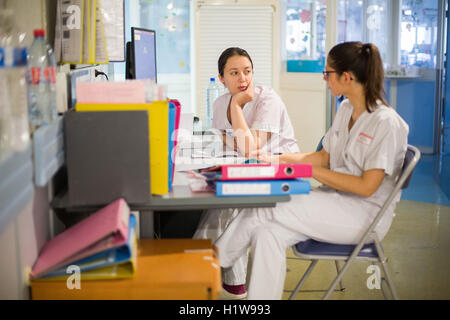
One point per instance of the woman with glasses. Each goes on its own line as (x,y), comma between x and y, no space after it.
(252,117)
(362,155)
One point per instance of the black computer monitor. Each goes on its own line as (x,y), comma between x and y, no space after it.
(141,54)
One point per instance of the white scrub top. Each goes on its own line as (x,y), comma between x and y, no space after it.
(377,140)
(267,113)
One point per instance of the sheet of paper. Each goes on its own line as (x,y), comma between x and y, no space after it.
(58,33)
(87,31)
(101,52)
(112,12)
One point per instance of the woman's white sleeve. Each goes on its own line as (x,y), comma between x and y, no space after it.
(268,115)
(388,140)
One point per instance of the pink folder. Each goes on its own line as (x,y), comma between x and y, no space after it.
(266,171)
(105,229)
(177,127)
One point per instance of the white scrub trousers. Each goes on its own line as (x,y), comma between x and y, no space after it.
(212,224)
(324,215)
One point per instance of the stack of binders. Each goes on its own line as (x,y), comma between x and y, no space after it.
(102,246)
(162,134)
(163,121)
(262,179)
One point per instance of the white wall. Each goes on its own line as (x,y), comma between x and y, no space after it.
(20,243)
(305,97)
(178,87)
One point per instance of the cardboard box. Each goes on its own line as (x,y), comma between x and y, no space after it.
(167,269)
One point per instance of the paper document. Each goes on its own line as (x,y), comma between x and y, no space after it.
(58,32)
(87,31)
(112,13)
(101,52)
(80,33)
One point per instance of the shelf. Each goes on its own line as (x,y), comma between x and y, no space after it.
(404,77)
(48,147)
(16,185)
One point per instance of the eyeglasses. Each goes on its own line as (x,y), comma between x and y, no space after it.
(326,73)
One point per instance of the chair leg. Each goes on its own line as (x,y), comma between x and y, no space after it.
(383,289)
(387,273)
(389,281)
(339,277)
(303,279)
(341,283)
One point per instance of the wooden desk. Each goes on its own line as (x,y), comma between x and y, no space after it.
(168,269)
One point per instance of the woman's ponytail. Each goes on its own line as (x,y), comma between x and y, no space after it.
(373,86)
(364,61)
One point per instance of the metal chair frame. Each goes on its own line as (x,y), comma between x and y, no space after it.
(411,158)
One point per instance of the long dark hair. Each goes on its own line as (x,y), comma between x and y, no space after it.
(228,53)
(364,61)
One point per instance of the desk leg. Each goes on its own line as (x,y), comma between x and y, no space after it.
(146,224)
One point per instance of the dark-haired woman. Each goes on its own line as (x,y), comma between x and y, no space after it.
(361,157)
(251,117)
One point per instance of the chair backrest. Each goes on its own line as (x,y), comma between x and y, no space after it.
(320,146)
(411,154)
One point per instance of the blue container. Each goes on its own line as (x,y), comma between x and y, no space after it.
(314,66)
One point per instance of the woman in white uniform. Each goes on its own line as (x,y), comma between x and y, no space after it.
(251,118)
(361,157)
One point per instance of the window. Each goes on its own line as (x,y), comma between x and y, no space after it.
(170,20)
(365,21)
(305,35)
(419,29)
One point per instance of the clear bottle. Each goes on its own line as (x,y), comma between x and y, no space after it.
(212,93)
(51,73)
(42,81)
(14,131)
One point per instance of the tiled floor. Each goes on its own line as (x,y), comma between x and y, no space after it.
(418,245)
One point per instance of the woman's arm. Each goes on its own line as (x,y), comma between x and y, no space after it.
(246,140)
(260,136)
(365,185)
(317,159)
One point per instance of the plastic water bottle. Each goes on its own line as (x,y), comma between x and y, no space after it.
(212,93)
(42,81)
(14,131)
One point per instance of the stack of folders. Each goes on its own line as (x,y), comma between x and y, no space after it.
(262,179)
(102,246)
(163,117)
